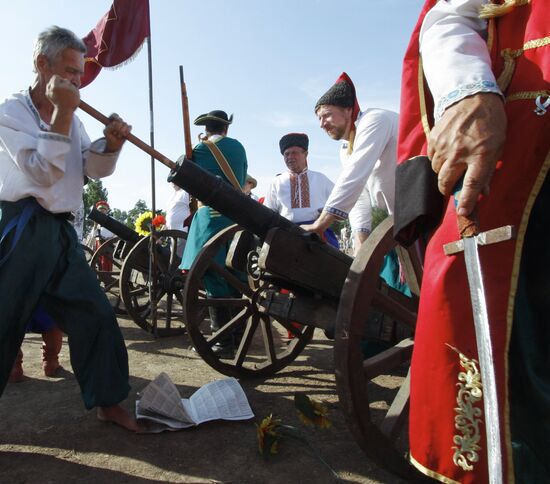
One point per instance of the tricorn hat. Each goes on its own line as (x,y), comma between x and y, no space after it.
(342,93)
(293,139)
(216,116)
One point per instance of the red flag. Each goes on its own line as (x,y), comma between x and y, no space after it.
(117,37)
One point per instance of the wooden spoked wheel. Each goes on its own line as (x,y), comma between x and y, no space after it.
(107,266)
(263,348)
(374,391)
(137,288)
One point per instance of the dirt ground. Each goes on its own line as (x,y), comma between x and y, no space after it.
(47,436)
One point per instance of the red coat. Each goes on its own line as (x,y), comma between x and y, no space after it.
(439,398)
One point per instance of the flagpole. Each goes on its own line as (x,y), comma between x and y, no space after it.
(152,252)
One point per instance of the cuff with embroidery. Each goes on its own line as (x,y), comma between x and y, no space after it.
(463,91)
(336,212)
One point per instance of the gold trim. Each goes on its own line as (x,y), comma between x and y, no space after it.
(422,99)
(512,297)
(526,95)
(533,44)
(491,10)
(468,415)
(490,34)
(510,55)
(430,473)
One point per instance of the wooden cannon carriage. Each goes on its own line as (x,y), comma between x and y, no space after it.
(129,272)
(292,277)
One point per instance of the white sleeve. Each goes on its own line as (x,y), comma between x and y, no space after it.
(454,52)
(374,132)
(271,201)
(97,164)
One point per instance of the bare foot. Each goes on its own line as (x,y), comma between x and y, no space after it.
(119,416)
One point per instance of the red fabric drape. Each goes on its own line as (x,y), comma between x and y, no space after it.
(116,37)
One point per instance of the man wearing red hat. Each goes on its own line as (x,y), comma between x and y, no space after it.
(368,156)
(300,193)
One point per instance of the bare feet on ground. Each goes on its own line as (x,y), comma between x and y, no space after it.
(118,415)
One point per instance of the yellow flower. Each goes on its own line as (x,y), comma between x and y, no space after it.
(267,435)
(143,223)
(312,412)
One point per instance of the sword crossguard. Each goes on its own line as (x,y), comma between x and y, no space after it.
(493,236)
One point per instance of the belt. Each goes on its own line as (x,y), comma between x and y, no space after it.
(28,206)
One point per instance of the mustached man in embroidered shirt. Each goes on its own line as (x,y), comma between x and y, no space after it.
(44,155)
(368,155)
(300,193)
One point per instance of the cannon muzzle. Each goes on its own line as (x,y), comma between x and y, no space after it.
(118,228)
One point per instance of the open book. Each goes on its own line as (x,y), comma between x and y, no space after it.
(161,403)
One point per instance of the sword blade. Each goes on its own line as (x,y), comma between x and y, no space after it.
(485,354)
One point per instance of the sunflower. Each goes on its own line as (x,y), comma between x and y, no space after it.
(268,436)
(311,412)
(143,223)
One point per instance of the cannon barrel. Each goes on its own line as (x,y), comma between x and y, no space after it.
(289,252)
(220,195)
(118,228)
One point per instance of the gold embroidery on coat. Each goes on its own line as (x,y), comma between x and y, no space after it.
(510,56)
(492,10)
(468,415)
(526,95)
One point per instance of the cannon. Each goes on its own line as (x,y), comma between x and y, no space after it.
(129,271)
(292,277)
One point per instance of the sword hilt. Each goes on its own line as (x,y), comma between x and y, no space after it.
(468,225)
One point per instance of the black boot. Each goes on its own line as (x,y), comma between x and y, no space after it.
(225,347)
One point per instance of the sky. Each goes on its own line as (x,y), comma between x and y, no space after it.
(265,62)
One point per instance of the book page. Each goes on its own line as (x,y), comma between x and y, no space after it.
(161,397)
(161,423)
(222,399)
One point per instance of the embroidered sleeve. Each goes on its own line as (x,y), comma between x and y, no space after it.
(454,53)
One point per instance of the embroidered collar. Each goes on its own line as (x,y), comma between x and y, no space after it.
(43,126)
(303,172)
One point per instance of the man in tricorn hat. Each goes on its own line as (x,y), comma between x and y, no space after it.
(226,158)
(368,155)
(299,194)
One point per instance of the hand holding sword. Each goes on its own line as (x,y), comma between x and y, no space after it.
(464,147)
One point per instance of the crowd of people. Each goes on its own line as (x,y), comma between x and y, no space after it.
(474,131)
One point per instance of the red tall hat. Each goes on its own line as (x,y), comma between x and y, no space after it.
(342,93)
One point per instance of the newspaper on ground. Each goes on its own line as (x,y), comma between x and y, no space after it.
(161,403)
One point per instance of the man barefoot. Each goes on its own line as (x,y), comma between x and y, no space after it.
(44,155)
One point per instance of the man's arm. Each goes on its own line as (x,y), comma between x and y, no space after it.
(454,53)
(470,128)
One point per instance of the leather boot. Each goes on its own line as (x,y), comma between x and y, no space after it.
(16,374)
(225,347)
(50,351)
